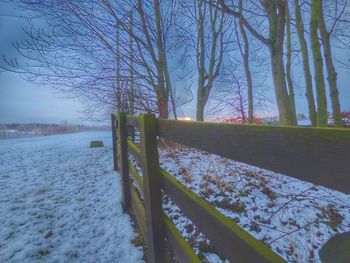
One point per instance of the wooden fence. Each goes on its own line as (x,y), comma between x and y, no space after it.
(317,155)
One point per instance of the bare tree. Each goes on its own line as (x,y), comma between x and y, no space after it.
(332,74)
(306,66)
(207,72)
(322,116)
(81,51)
(245,56)
(289,65)
(275,11)
(233,100)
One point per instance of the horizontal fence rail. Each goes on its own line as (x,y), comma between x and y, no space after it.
(317,155)
(132,120)
(181,248)
(231,240)
(132,148)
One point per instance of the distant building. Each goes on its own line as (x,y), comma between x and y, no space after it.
(274,120)
(237,120)
(301,116)
(9,133)
(346,118)
(304,122)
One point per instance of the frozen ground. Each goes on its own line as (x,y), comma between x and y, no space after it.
(60,202)
(293,217)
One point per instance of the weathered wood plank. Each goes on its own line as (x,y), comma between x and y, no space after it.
(137,178)
(152,189)
(139,211)
(114,142)
(227,237)
(316,155)
(124,165)
(136,152)
(182,250)
(132,120)
(336,249)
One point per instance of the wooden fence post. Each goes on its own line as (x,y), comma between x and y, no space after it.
(124,165)
(152,189)
(114,141)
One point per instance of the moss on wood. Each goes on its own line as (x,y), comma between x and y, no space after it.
(137,177)
(336,250)
(181,242)
(231,227)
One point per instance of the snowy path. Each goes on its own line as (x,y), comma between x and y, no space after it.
(60,202)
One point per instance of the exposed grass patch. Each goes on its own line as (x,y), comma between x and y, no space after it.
(96,144)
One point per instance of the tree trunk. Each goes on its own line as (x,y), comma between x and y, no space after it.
(250,89)
(200,99)
(162,94)
(131,99)
(206,77)
(200,112)
(289,68)
(306,66)
(169,88)
(163,102)
(173,103)
(245,56)
(200,63)
(276,12)
(332,74)
(322,116)
(117,69)
(282,98)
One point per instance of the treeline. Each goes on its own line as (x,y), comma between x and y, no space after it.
(155,56)
(48,129)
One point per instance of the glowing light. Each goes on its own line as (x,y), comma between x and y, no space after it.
(184,118)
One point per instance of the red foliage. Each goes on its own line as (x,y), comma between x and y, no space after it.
(345,115)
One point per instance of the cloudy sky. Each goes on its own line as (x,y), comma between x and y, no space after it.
(23,102)
(20,100)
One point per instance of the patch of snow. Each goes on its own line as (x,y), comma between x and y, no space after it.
(60,201)
(305,122)
(293,217)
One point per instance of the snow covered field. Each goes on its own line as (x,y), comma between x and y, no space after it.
(60,202)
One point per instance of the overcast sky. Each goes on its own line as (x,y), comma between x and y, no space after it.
(20,100)
(23,102)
